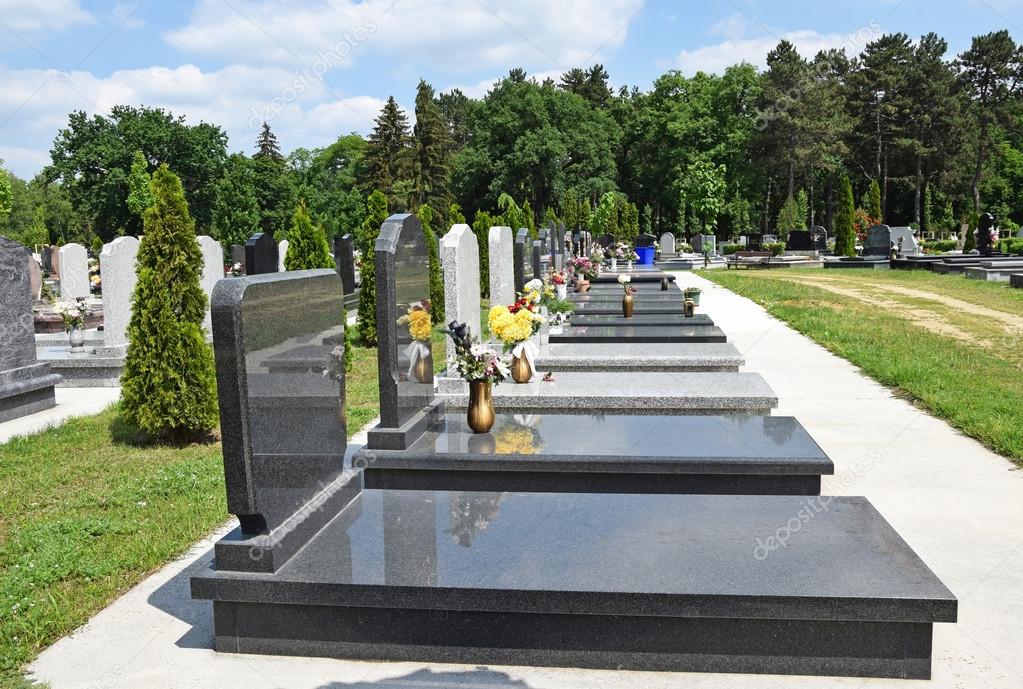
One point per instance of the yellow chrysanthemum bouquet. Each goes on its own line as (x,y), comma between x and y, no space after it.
(420,329)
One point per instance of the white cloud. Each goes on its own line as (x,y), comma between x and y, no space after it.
(43,15)
(740,46)
(459,35)
(34,105)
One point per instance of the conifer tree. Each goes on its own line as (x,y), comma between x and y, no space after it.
(267,146)
(584,214)
(387,153)
(570,209)
(788,218)
(481,225)
(140,196)
(455,215)
(549,218)
(436,280)
(236,215)
(168,389)
(376,214)
(529,222)
(872,201)
(307,243)
(431,153)
(845,234)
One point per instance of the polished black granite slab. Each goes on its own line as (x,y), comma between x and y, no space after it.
(610,308)
(615,296)
(637,275)
(774,584)
(607,454)
(632,333)
(639,319)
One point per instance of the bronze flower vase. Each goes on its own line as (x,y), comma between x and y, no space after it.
(480,414)
(521,371)
(688,308)
(582,285)
(628,303)
(423,370)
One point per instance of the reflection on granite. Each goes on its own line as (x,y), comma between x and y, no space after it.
(469,514)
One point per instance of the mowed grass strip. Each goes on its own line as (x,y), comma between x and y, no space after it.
(84,517)
(976,392)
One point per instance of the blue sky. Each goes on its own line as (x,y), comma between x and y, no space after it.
(319,68)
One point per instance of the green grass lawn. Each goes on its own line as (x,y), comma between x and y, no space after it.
(961,362)
(84,517)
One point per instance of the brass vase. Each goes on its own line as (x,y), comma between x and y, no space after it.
(582,285)
(628,303)
(424,369)
(521,370)
(480,414)
(689,308)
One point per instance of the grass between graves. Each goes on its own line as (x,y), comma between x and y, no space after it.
(85,517)
(950,345)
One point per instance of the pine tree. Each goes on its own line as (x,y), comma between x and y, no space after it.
(376,214)
(549,219)
(387,153)
(788,218)
(481,225)
(436,280)
(872,201)
(585,214)
(431,159)
(307,243)
(140,196)
(570,209)
(648,219)
(803,205)
(845,235)
(168,389)
(267,146)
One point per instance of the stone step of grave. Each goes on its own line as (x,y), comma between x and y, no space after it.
(691,263)
(85,369)
(704,583)
(613,307)
(1016,280)
(768,455)
(637,334)
(857,262)
(27,389)
(778,262)
(639,319)
(640,392)
(636,275)
(993,273)
(643,294)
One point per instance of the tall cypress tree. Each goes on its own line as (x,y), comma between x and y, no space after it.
(168,389)
(140,195)
(872,201)
(387,154)
(436,281)
(481,225)
(376,214)
(845,235)
(307,243)
(431,153)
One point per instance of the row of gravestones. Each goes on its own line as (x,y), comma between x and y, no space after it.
(261,254)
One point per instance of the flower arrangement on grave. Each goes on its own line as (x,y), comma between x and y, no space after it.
(74,313)
(95,278)
(235,270)
(559,282)
(992,235)
(514,326)
(482,369)
(583,270)
(420,356)
(628,301)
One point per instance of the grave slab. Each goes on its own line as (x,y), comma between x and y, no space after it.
(638,334)
(606,454)
(637,274)
(653,582)
(614,307)
(1016,280)
(644,293)
(639,392)
(639,319)
(679,356)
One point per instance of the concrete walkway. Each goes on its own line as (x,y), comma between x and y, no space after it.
(958,505)
(70,402)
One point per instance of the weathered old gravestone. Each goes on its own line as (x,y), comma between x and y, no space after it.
(537,254)
(26,386)
(74,272)
(798,240)
(261,254)
(55,259)
(905,241)
(460,259)
(280,384)
(984,227)
(282,251)
(667,243)
(402,281)
(818,238)
(117,260)
(344,260)
(35,277)
(238,255)
(878,242)
(502,273)
(769,239)
(644,239)
(521,258)
(212,273)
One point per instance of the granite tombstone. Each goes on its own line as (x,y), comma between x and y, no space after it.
(35,278)
(644,239)
(119,277)
(521,258)
(212,273)
(460,260)
(798,240)
(74,272)
(502,272)
(985,247)
(818,238)
(878,242)
(261,254)
(238,256)
(537,262)
(905,241)
(282,252)
(344,260)
(667,243)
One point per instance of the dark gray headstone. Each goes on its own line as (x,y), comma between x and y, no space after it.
(577,243)
(261,254)
(402,280)
(537,253)
(704,243)
(46,255)
(26,386)
(605,240)
(878,242)
(818,238)
(984,245)
(561,239)
(520,257)
(344,260)
(644,239)
(279,349)
(798,240)
(238,255)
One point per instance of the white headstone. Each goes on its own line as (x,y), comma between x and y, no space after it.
(212,271)
(117,266)
(667,243)
(910,246)
(74,272)
(35,275)
(460,260)
(282,251)
(502,261)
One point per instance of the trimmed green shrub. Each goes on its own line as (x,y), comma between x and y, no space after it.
(845,220)
(307,243)
(376,214)
(1013,245)
(938,246)
(436,279)
(728,249)
(776,248)
(168,389)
